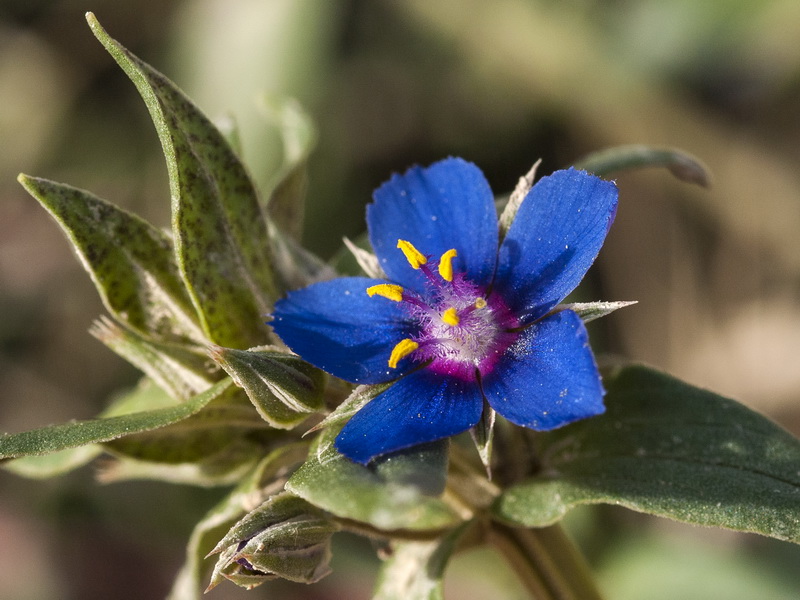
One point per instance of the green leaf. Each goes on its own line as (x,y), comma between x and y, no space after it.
(283,388)
(54,464)
(266,479)
(286,202)
(208,446)
(669,449)
(394,492)
(285,537)
(224,468)
(219,229)
(80,433)
(415,570)
(130,261)
(180,370)
(682,165)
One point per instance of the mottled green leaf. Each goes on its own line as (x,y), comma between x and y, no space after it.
(285,537)
(415,570)
(666,448)
(180,370)
(130,261)
(79,433)
(682,165)
(219,229)
(266,479)
(394,492)
(283,388)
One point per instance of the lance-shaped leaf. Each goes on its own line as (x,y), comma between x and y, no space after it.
(681,164)
(415,570)
(130,261)
(180,370)
(267,479)
(211,447)
(227,432)
(145,396)
(283,388)
(79,433)
(219,229)
(666,448)
(395,492)
(44,466)
(284,537)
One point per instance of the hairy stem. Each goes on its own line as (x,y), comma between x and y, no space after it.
(546,561)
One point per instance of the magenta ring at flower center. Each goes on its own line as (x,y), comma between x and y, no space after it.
(485,329)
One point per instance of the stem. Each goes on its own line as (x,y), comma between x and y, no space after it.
(546,561)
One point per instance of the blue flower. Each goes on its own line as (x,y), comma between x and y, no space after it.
(462,317)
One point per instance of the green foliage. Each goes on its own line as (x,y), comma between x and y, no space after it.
(79,433)
(682,165)
(283,388)
(216,216)
(666,448)
(284,537)
(397,492)
(138,280)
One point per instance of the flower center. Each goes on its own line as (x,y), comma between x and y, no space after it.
(461,330)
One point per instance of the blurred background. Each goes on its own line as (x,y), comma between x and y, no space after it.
(389,84)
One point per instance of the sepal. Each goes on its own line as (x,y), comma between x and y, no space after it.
(284,389)
(284,537)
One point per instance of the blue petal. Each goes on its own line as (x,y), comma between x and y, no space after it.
(421,407)
(548,378)
(553,240)
(448,205)
(337,327)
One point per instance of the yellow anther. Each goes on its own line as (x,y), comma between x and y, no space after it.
(414,257)
(480,303)
(401,350)
(387,290)
(446,264)
(450,316)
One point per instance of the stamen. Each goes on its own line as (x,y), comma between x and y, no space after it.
(401,350)
(480,303)
(446,264)
(414,257)
(450,316)
(387,290)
